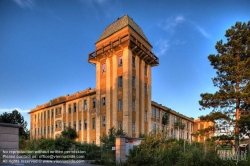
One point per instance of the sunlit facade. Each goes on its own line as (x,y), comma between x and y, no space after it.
(122,97)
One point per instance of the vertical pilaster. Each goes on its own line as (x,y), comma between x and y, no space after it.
(98,101)
(142,93)
(108,94)
(113,120)
(137,95)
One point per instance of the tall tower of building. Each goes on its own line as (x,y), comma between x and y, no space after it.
(123,61)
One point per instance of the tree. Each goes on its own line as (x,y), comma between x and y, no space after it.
(69,133)
(16,118)
(232,63)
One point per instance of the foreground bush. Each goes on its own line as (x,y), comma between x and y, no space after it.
(155,151)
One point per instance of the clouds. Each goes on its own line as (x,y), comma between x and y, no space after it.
(163,46)
(2,110)
(30,4)
(170,25)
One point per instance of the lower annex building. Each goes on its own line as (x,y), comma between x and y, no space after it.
(122,97)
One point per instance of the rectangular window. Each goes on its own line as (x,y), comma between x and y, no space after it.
(35,131)
(52,129)
(69,125)
(56,125)
(45,115)
(85,104)
(74,107)
(145,116)
(103,100)
(133,81)
(119,104)
(145,69)
(48,114)
(120,61)
(60,124)
(52,113)
(93,102)
(85,124)
(119,125)
(44,131)
(80,125)
(145,88)
(41,116)
(60,110)
(133,127)
(103,121)
(56,111)
(74,125)
(69,109)
(104,68)
(157,114)
(133,62)
(119,81)
(41,131)
(154,113)
(133,104)
(64,126)
(93,123)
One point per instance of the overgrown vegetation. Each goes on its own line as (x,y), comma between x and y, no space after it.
(157,151)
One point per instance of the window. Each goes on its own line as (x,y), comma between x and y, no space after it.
(48,114)
(60,124)
(41,131)
(52,113)
(60,110)
(119,61)
(69,125)
(133,127)
(103,121)
(119,125)
(69,109)
(41,116)
(44,131)
(35,131)
(74,107)
(133,81)
(103,100)
(145,88)
(119,104)
(93,123)
(93,102)
(133,104)
(103,67)
(45,115)
(145,69)
(85,104)
(85,124)
(64,126)
(38,131)
(75,125)
(145,116)
(48,129)
(157,114)
(80,125)
(52,129)
(133,62)
(119,81)
(56,111)
(35,118)
(56,125)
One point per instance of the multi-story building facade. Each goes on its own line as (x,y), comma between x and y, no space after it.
(122,97)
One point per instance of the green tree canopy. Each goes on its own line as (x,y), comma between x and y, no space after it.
(16,118)
(232,65)
(69,133)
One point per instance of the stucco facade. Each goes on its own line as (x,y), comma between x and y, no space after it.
(122,97)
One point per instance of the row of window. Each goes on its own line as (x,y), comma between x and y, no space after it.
(120,126)
(120,65)
(42,131)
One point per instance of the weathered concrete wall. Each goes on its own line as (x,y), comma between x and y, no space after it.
(9,136)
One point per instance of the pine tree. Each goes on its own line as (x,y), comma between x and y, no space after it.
(232,63)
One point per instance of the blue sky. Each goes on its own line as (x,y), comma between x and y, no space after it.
(44,47)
